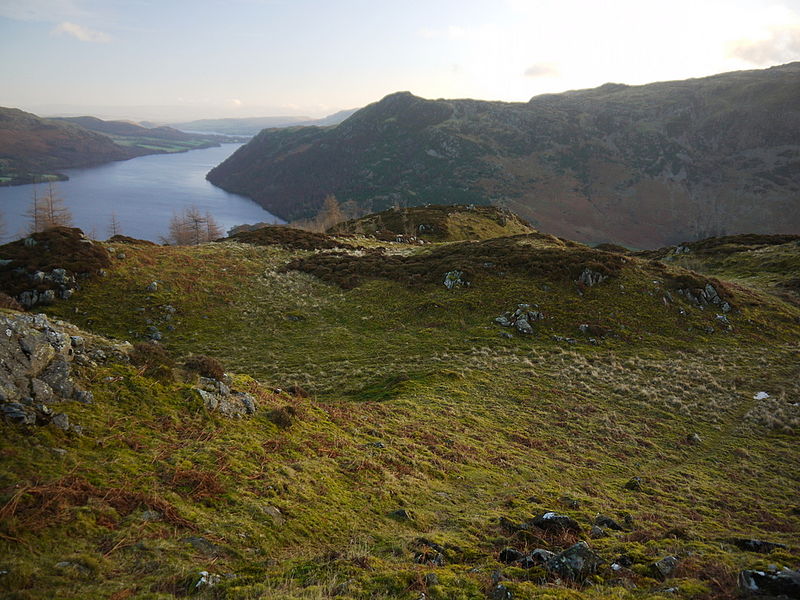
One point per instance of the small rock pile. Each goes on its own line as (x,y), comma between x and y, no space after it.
(591,278)
(63,286)
(49,265)
(704,296)
(218,397)
(454,279)
(521,318)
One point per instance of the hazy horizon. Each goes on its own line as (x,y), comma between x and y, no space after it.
(180,61)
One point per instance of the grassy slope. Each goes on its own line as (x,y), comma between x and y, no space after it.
(772,267)
(474,427)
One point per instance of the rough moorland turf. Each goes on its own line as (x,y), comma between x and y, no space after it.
(413,400)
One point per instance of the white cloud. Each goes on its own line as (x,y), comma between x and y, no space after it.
(82,33)
(782,44)
(542,70)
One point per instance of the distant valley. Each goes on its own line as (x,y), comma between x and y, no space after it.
(37,149)
(253,125)
(644,166)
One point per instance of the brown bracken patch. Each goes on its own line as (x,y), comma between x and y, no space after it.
(289,237)
(474,259)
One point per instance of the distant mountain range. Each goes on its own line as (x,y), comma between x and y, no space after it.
(251,126)
(643,166)
(36,149)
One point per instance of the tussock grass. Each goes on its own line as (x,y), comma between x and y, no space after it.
(406,397)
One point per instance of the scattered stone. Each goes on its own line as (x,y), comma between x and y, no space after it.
(760,396)
(634,484)
(576,562)
(784,583)
(150,515)
(454,279)
(84,396)
(501,592)
(152,287)
(16,413)
(603,521)
(401,514)
(276,514)
(753,545)
(590,278)
(551,521)
(59,452)
(665,567)
(622,562)
(431,579)
(202,545)
(430,558)
(541,556)
(570,502)
(506,335)
(510,555)
(61,421)
(206,580)
(598,532)
(693,438)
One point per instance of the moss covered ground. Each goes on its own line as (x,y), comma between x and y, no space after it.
(399,394)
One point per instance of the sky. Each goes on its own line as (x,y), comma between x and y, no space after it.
(176,60)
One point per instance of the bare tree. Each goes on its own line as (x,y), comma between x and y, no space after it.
(191,227)
(114,227)
(330,214)
(48,210)
(213,230)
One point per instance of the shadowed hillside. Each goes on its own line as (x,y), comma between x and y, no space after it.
(642,166)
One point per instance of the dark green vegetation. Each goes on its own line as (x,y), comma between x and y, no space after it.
(400,441)
(642,166)
(33,149)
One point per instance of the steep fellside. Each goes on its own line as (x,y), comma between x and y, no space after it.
(34,147)
(640,165)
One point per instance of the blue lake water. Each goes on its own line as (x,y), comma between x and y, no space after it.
(144,193)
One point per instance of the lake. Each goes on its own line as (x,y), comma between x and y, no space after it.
(144,193)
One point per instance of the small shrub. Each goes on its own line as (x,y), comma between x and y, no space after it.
(7,301)
(297,390)
(206,366)
(153,359)
(283,416)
